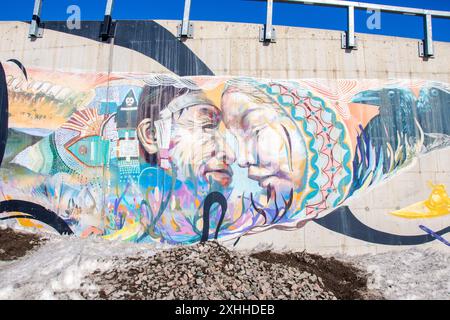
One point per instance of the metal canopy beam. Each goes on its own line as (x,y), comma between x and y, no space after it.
(107,30)
(373,6)
(109,7)
(186,28)
(267,32)
(35,26)
(349,39)
(427,44)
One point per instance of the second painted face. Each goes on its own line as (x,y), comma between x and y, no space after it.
(270,145)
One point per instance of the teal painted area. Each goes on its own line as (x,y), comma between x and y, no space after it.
(91,151)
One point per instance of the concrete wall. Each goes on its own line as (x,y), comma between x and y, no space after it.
(234,49)
(373,208)
(63,57)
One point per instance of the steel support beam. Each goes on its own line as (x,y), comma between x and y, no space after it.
(186,28)
(36,26)
(267,32)
(426,46)
(373,6)
(107,29)
(109,7)
(349,38)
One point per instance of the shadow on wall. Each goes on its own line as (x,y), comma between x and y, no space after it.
(148,38)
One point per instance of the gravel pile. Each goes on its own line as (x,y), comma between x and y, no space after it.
(203,271)
(343,279)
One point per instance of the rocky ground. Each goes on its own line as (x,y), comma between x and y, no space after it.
(346,281)
(55,267)
(205,271)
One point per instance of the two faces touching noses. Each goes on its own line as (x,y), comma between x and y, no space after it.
(267,142)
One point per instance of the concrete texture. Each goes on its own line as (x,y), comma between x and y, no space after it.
(233,49)
(372,207)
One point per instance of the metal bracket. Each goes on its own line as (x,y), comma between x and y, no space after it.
(185,30)
(422,50)
(263,36)
(426,48)
(36,27)
(348,39)
(267,32)
(107,29)
(186,35)
(345,44)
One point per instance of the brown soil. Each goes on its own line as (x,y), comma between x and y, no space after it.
(15,244)
(344,280)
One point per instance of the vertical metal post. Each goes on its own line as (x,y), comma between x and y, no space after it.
(109,7)
(107,30)
(186,13)
(35,27)
(267,33)
(349,38)
(185,30)
(428,41)
(351,43)
(269,20)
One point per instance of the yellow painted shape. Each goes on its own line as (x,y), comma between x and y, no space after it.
(437,205)
(215,95)
(27,223)
(126,233)
(174,224)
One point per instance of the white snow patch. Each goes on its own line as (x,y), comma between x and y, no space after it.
(411,274)
(57,269)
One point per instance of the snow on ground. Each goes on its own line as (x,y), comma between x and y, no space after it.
(56,269)
(60,267)
(413,274)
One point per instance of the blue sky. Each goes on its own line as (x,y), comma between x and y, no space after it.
(251,11)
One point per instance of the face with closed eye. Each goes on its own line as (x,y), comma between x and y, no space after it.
(270,145)
(197,146)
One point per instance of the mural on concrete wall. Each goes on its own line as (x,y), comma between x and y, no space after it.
(158,158)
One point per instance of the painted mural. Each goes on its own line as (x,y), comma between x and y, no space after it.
(178,160)
(437,204)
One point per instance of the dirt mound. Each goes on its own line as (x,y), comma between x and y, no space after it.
(204,271)
(344,280)
(15,244)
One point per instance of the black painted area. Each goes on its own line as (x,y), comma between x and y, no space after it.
(37,212)
(21,66)
(343,221)
(212,198)
(3,113)
(146,37)
(18,217)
